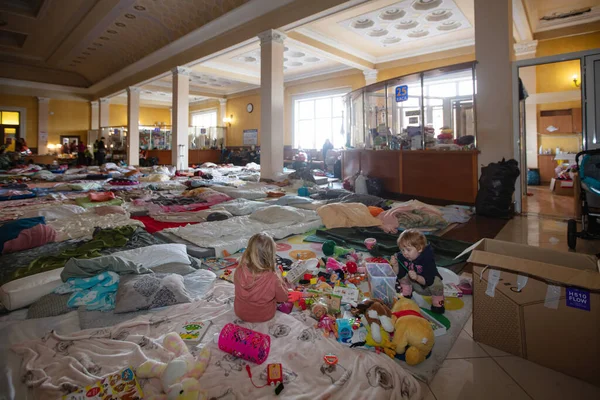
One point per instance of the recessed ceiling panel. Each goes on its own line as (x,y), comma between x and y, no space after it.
(408,21)
(294,57)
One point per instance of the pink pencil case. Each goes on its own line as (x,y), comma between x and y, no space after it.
(245,343)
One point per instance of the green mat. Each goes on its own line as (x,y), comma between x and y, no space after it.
(445,249)
(85,202)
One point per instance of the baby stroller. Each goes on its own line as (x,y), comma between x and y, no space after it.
(589,176)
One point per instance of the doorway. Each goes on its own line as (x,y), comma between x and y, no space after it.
(9,129)
(553,121)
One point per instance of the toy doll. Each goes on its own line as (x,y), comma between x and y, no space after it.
(326,321)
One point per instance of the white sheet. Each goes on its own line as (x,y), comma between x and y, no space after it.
(295,343)
(83,225)
(232,234)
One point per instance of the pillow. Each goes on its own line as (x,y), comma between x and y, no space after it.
(242,206)
(143,292)
(50,305)
(273,214)
(347,215)
(105,210)
(174,268)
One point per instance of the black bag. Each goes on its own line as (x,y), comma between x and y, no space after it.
(374,186)
(496,188)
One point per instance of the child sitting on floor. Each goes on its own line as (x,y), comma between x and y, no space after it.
(416,269)
(258,283)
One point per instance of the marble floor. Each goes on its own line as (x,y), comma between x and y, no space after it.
(475,371)
(543,202)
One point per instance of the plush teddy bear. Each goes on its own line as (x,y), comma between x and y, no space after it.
(179,377)
(413,335)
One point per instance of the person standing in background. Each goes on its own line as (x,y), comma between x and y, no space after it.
(95,149)
(81,153)
(101,151)
(326,147)
(73,147)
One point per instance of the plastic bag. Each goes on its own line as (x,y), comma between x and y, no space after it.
(374,186)
(496,188)
(360,184)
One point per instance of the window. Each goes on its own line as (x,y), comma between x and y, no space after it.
(9,117)
(205,119)
(317,118)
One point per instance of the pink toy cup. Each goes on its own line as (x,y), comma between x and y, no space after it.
(245,343)
(370,243)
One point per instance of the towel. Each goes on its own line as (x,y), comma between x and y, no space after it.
(95,293)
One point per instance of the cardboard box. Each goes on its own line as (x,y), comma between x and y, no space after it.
(561,187)
(544,305)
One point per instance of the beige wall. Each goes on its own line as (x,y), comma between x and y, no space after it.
(148,115)
(29,103)
(68,118)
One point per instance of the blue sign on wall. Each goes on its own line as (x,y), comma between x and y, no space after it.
(401,93)
(578,298)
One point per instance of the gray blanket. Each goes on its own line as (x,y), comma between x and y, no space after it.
(86,268)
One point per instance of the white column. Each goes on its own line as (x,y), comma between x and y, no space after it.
(222,114)
(370,76)
(95,113)
(103,120)
(133,125)
(43,112)
(180,117)
(494,53)
(271,103)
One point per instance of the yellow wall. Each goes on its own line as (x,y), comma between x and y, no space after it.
(30,103)
(242,119)
(557,77)
(571,144)
(69,118)
(148,115)
(568,44)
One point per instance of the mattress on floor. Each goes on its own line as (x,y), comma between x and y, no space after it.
(192,249)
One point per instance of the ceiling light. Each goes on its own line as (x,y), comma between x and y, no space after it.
(91,48)
(248,59)
(295,64)
(140,8)
(85,53)
(362,23)
(97,44)
(439,15)
(391,40)
(312,59)
(378,32)
(392,14)
(449,26)
(120,24)
(296,54)
(426,4)
(130,16)
(112,32)
(417,33)
(104,38)
(407,24)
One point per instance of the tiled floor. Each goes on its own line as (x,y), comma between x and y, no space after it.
(544,202)
(476,371)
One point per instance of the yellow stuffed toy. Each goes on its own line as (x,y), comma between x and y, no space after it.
(179,377)
(385,344)
(413,334)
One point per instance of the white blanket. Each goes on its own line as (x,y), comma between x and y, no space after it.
(82,226)
(232,234)
(60,362)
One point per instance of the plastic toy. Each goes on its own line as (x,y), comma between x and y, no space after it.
(351,267)
(179,377)
(344,330)
(326,321)
(274,374)
(378,316)
(330,249)
(413,334)
(330,359)
(333,265)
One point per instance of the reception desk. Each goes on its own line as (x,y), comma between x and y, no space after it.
(196,157)
(445,175)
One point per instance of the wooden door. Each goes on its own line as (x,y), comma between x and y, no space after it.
(546,165)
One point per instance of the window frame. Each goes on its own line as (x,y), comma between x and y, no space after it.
(339,92)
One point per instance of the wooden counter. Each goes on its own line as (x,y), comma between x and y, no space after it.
(194,156)
(429,174)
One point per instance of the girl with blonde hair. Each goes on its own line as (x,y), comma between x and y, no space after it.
(258,283)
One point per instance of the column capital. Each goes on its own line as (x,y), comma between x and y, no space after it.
(94,103)
(271,35)
(133,89)
(370,76)
(526,48)
(103,100)
(43,100)
(181,71)
(222,101)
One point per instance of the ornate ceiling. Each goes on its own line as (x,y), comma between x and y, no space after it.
(88,40)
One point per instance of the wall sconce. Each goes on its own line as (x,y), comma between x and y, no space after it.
(576,81)
(228,120)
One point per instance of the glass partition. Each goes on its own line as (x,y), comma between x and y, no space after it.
(433,109)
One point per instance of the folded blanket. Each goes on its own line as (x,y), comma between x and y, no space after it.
(95,293)
(412,214)
(30,238)
(347,215)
